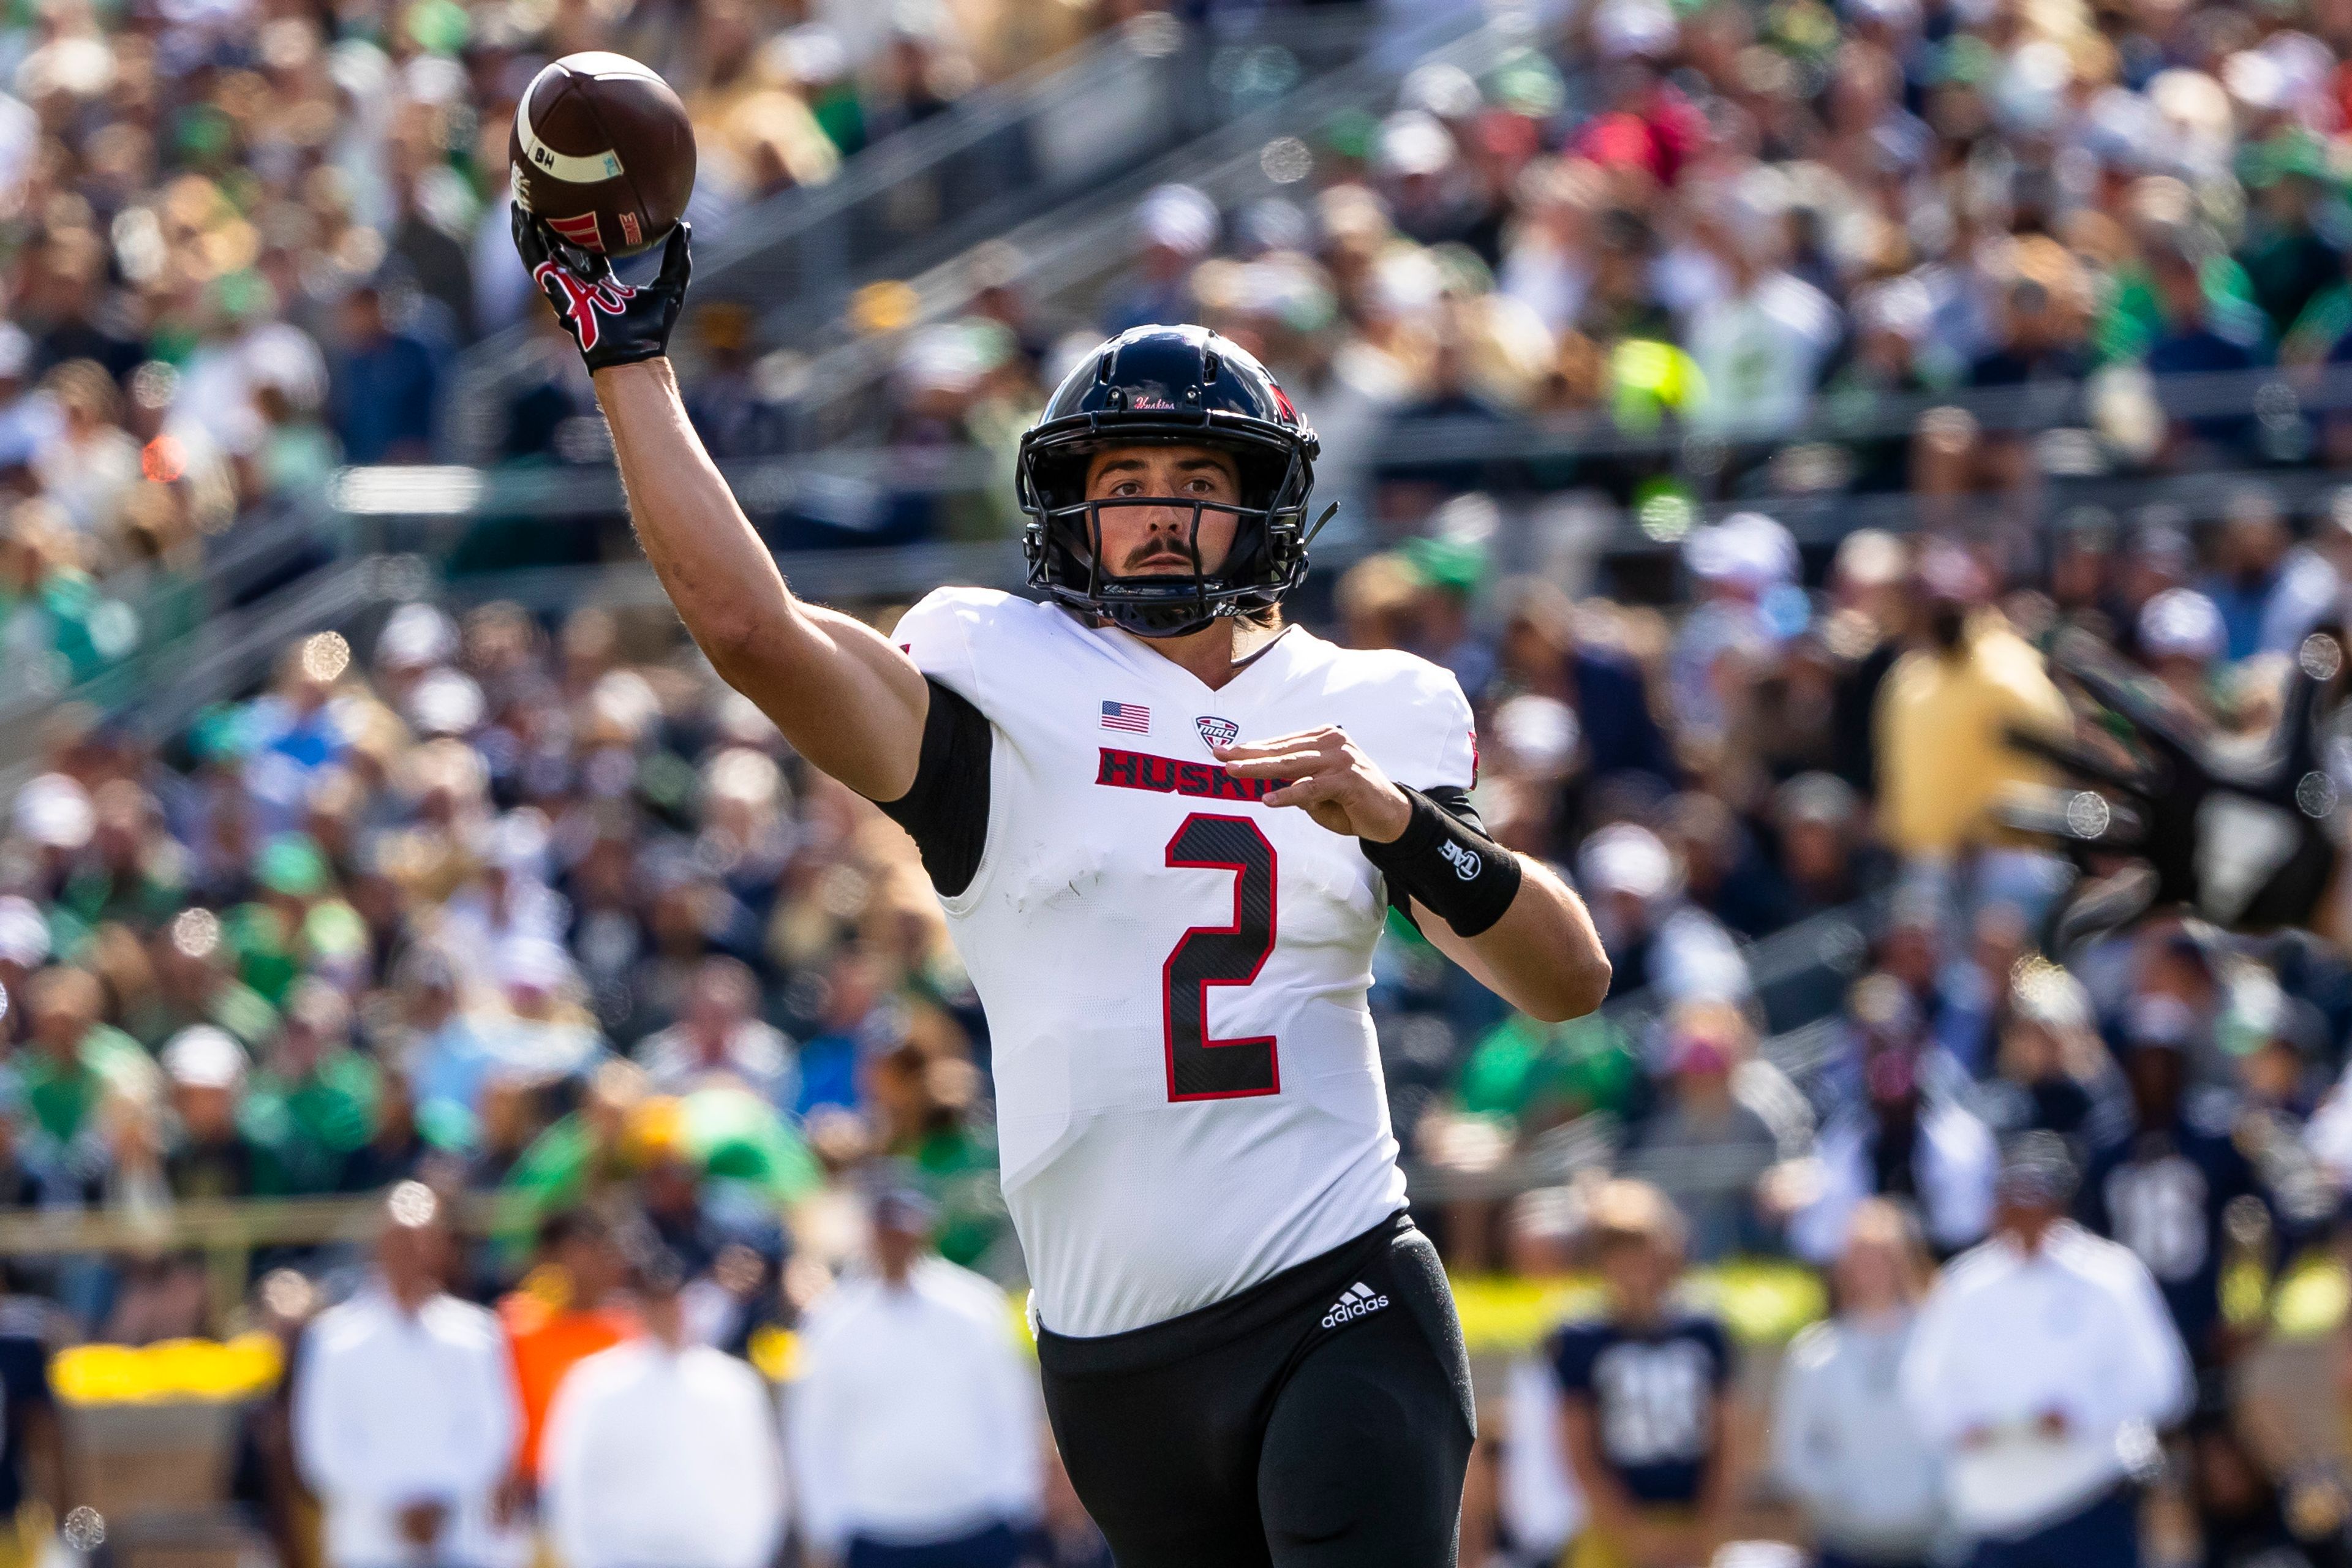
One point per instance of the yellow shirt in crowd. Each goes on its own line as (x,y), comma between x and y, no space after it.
(1943,720)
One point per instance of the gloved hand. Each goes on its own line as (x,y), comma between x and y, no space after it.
(612,321)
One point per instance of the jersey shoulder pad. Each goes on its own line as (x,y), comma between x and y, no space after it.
(952,633)
(1409,713)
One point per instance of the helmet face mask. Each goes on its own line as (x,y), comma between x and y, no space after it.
(1168,386)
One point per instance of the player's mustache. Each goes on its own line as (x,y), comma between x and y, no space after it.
(1154,556)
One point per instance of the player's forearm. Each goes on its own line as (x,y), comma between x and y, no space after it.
(714,567)
(1543,956)
(846,700)
(1545,949)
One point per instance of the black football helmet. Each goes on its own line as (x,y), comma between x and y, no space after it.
(1177,386)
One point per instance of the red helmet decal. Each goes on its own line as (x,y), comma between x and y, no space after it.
(1282,401)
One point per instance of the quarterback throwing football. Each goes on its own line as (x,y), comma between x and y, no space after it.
(1166,829)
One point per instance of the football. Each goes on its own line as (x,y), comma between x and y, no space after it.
(603,154)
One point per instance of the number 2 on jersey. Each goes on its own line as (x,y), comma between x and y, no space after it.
(1200,1067)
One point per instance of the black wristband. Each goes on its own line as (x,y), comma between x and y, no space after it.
(1451,869)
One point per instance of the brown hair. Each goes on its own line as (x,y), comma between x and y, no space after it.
(1626,1211)
(1878,1222)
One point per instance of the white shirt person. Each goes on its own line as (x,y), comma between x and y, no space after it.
(2042,1363)
(662,1453)
(405,1417)
(1844,1444)
(915,1420)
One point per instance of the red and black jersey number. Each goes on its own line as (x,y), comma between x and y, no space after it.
(1200,1067)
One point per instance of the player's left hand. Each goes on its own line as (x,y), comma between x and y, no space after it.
(1336,783)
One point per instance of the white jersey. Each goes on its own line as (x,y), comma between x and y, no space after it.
(1189,1096)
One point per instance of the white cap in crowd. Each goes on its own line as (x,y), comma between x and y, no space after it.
(2181,623)
(24,934)
(1748,550)
(54,812)
(1626,857)
(202,1057)
(1179,218)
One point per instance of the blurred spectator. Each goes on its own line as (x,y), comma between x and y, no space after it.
(1844,1446)
(75,1065)
(1655,937)
(1945,713)
(2164,1191)
(2180,636)
(87,466)
(1762,341)
(569,1307)
(2053,1072)
(914,1427)
(1708,1140)
(1903,1139)
(1737,564)
(721,1036)
(853,1010)
(450,1055)
(1643,1394)
(661,1450)
(2194,338)
(209,1156)
(2040,1364)
(315,1098)
(1177,225)
(2268,593)
(1541,652)
(1823,859)
(387,386)
(403,1409)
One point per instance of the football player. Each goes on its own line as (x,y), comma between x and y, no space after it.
(1166,826)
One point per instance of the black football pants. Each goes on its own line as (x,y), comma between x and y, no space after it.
(1320,1419)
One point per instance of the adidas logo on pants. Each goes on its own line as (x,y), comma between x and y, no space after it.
(1353,1303)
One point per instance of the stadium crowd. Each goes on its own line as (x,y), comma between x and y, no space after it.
(537,912)
(528,922)
(1867,247)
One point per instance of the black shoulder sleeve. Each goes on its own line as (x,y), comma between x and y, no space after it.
(947,809)
(1455,804)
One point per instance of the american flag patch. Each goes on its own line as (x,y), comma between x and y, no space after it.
(1131,717)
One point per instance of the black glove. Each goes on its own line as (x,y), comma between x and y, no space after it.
(613,322)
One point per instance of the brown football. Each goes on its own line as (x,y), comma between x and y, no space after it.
(603,153)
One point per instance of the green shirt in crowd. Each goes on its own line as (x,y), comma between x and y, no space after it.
(317,1121)
(60,1096)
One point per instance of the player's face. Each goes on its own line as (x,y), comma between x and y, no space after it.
(1637,1272)
(1151,540)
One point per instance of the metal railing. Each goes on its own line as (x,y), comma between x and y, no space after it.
(1083,245)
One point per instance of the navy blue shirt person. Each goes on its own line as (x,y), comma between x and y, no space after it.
(387,386)
(2162,1189)
(1642,1394)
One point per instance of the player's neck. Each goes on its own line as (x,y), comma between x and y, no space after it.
(1218,651)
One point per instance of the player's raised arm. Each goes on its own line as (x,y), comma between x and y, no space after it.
(846,700)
